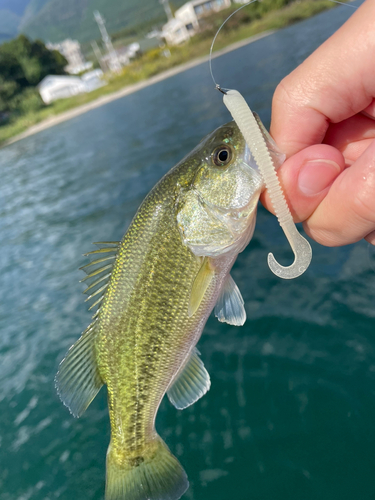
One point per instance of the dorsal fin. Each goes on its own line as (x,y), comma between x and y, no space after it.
(99,271)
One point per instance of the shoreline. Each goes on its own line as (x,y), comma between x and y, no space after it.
(129,89)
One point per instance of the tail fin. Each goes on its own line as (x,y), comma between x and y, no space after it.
(156,477)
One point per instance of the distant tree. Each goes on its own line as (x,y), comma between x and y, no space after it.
(8,89)
(10,68)
(23,64)
(26,102)
(34,59)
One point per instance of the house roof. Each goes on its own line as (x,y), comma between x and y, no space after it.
(172,25)
(193,3)
(51,79)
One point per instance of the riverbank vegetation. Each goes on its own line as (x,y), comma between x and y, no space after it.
(23,64)
(252,20)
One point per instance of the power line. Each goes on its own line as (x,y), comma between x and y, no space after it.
(114,61)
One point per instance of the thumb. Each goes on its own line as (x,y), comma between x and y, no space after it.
(347,212)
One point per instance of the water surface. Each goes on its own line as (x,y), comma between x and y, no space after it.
(291,411)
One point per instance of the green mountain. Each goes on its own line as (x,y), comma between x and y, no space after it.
(11,13)
(55,20)
(9,22)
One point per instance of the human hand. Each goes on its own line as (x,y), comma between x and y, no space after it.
(318,120)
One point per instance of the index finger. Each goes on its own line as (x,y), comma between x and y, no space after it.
(337,81)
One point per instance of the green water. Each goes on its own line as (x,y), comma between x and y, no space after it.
(291,411)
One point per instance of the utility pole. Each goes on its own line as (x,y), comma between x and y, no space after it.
(98,55)
(114,61)
(167,9)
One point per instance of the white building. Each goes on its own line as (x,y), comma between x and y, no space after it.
(186,19)
(115,60)
(93,80)
(71,50)
(175,32)
(54,87)
(121,55)
(134,49)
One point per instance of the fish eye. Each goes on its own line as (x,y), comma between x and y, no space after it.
(222,155)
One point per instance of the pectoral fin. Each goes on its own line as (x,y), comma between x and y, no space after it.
(200,285)
(191,383)
(230,305)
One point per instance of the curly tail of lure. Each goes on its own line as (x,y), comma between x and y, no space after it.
(249,127)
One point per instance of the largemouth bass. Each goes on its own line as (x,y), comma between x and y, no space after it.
(155,290)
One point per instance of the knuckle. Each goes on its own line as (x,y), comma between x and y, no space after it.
(282,93)
(292,92)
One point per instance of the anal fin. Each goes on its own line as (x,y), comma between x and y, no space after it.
(230,305)
(78,380)
(191,383)
(200,285)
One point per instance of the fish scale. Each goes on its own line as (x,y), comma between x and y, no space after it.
(154,335)
(170,269)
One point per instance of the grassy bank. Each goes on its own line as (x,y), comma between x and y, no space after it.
(154,62)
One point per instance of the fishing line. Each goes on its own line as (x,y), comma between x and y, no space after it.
(217,86)
(342,3)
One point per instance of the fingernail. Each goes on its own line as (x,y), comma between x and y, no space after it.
(317,175)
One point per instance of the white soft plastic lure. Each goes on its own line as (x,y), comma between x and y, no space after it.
(254,138)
